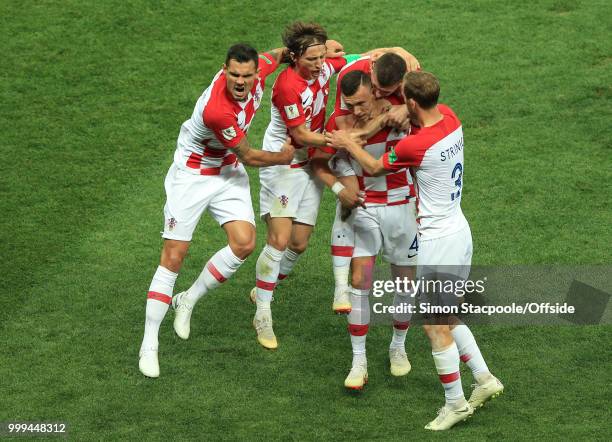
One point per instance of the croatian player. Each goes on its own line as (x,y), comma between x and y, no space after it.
(207,175)
(387,222)
(289,195)
(386,72)
(434,152)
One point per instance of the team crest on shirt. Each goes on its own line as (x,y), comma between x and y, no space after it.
(229,133)
(292,111)
(171,224)
(284,200)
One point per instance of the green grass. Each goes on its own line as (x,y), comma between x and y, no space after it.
(92,97)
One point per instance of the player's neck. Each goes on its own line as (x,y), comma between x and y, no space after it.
(429,117)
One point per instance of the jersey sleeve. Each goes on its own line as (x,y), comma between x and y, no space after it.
(225,127)
(336,63)
(267,65)
(288,101)
(406,153)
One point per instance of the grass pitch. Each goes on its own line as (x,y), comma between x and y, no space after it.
(93,95)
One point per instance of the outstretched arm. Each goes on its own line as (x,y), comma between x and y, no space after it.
(411,61)
(341,139)
(261,158)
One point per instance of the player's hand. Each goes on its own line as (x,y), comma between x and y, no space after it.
(397,117)
(287,152)
(334,49)
(350,199)
(412,63)
(340,139)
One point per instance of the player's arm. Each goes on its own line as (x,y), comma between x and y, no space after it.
(372,127)
(279,54)
(305,137)
(345,188)
(261,158)
(412,62)
(341,139)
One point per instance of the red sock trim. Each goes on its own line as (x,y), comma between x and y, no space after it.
(265,285)
(160,297)
(216,273)
(346,251)
(465,357)
(281,276)
(401,325)
(358,330)
(448,378)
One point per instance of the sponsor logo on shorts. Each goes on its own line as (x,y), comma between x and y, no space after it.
(284,200)
(292,111)
(171,224)
(229,133)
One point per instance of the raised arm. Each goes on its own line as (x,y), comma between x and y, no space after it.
(411,61)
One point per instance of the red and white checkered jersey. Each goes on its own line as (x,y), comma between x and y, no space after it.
(219,123)
(362,64)
(435,155)
(297,101)
(385,190)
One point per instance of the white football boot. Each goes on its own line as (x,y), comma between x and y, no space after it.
(182,316)
(148,363)
(400,365)
(357,377)
(342,302)
(265,334)
(447,417)
(483,392)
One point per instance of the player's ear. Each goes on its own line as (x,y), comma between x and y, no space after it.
(224,67)
(292,56)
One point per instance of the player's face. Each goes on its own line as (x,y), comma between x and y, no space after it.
(239,78)
(309,65)
(360,104)
(382,92)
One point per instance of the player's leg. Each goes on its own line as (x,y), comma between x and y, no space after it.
(159,298)
(231,207)
(266,271)
(359,320)
(342,246)
(298,242)
(459,251)
(184,206)
(218,269)
(399,230)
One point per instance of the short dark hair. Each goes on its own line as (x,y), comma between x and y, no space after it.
(423,87)
(299,36)
(242,53)
(390,69)
(352,80)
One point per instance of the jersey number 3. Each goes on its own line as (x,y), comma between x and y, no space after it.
(457,175)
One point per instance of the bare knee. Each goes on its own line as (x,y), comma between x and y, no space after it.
(173,255)
(298,246)
(243,246)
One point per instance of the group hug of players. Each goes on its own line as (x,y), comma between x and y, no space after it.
(390,153)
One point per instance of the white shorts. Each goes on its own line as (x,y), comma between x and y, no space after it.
(451,254)
(392,229)
(290,193)
(226,196)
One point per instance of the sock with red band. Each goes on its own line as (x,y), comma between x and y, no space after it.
(159,298)
(217,270)
(266,271)
(447,365)
(358,320)
(401,318)
(469,351)
(287,262)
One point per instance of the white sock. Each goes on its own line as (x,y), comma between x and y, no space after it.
(266,271)
(401,321)
(159,298)
(447,365)
(217,270)
(288,260)
(358,320)
(342,246)
(469,351)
